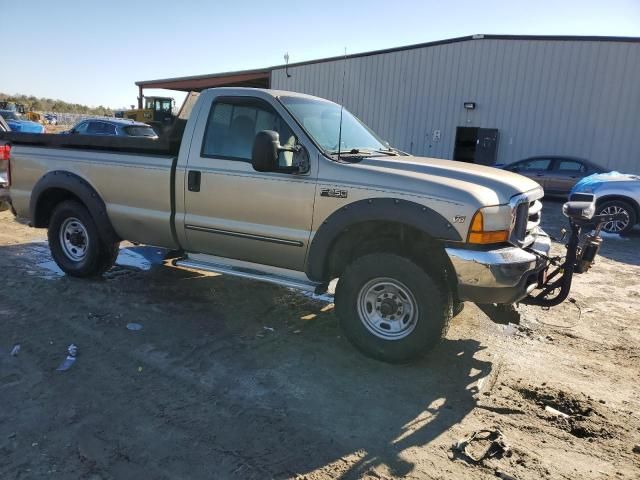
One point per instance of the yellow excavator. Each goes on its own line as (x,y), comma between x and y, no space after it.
(20,108)
(157,112)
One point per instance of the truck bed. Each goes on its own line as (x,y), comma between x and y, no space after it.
(167,144)
(136,183)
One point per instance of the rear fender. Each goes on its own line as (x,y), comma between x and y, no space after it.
(59,185)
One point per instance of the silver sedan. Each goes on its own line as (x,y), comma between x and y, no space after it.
(615,193)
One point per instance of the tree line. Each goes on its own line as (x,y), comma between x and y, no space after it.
(37,104)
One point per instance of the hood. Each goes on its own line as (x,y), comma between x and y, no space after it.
(450,180)
(604,180)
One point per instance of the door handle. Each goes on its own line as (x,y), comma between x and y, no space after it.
(193,180)
(539,174)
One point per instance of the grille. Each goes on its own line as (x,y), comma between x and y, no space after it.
(527,219)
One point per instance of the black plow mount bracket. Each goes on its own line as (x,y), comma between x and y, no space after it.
(582,248)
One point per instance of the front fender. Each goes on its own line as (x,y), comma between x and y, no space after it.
(394,210)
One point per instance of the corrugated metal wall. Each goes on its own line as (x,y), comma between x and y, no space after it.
(578,98)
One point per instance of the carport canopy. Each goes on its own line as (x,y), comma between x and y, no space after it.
(246,78)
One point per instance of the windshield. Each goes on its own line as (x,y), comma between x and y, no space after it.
(321,120)
(9,115)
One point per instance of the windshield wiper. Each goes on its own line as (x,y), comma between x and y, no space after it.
(361,151)
(388,151)
(353,151)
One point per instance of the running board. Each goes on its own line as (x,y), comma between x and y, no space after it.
(253,274)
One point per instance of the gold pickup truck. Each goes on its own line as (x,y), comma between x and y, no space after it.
(295,190)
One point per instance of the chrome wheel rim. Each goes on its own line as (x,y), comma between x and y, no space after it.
(387,308)
(74,239)
(616,226)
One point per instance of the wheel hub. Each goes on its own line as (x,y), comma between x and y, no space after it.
(387,308)
(617,225)
(77,239)
(74,239)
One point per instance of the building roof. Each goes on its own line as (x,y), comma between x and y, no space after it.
(260,78)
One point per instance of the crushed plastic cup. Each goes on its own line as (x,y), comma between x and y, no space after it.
(15,350)
(68,362)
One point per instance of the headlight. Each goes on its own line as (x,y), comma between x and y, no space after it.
(491,225)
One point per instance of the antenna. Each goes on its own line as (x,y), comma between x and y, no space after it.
(286,64)
(344,74)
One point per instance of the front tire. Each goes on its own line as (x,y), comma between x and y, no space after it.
(75,242)
(390,308)
(618,207)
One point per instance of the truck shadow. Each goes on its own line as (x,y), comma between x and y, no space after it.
(288,399)
(443,394)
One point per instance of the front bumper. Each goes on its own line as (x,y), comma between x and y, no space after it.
(501,275)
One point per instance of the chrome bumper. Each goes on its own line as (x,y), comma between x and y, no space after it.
(499,275)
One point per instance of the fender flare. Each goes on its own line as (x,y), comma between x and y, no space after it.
(80,188)
(409,213)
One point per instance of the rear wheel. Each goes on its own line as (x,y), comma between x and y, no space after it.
(390,308)
(75,242)
(614,207)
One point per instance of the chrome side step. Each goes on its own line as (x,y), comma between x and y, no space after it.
(262,276)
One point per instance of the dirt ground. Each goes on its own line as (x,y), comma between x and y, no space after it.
(235,379)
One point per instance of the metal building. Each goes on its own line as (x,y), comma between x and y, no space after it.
(482,98)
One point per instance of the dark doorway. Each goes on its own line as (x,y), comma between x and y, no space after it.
(476,145)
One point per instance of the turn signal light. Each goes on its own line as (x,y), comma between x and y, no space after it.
(477,233)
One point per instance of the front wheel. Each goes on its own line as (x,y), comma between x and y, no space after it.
(622,208)
(75,243)
(390,308)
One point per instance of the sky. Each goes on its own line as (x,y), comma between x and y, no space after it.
(93,52)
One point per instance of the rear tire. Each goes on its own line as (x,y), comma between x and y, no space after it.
(390,308)
(618,206)
(75,242)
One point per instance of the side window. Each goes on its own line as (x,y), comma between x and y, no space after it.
(93,128)
(232,128)
(570,166)
(109,129)
(81,128)
(536,164)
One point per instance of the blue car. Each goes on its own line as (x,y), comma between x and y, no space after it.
(17,124)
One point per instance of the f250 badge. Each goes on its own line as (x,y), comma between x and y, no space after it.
(333,193)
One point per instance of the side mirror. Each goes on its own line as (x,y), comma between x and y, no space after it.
(264,155)
(266,151)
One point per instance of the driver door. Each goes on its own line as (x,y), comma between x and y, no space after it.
(234,211)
